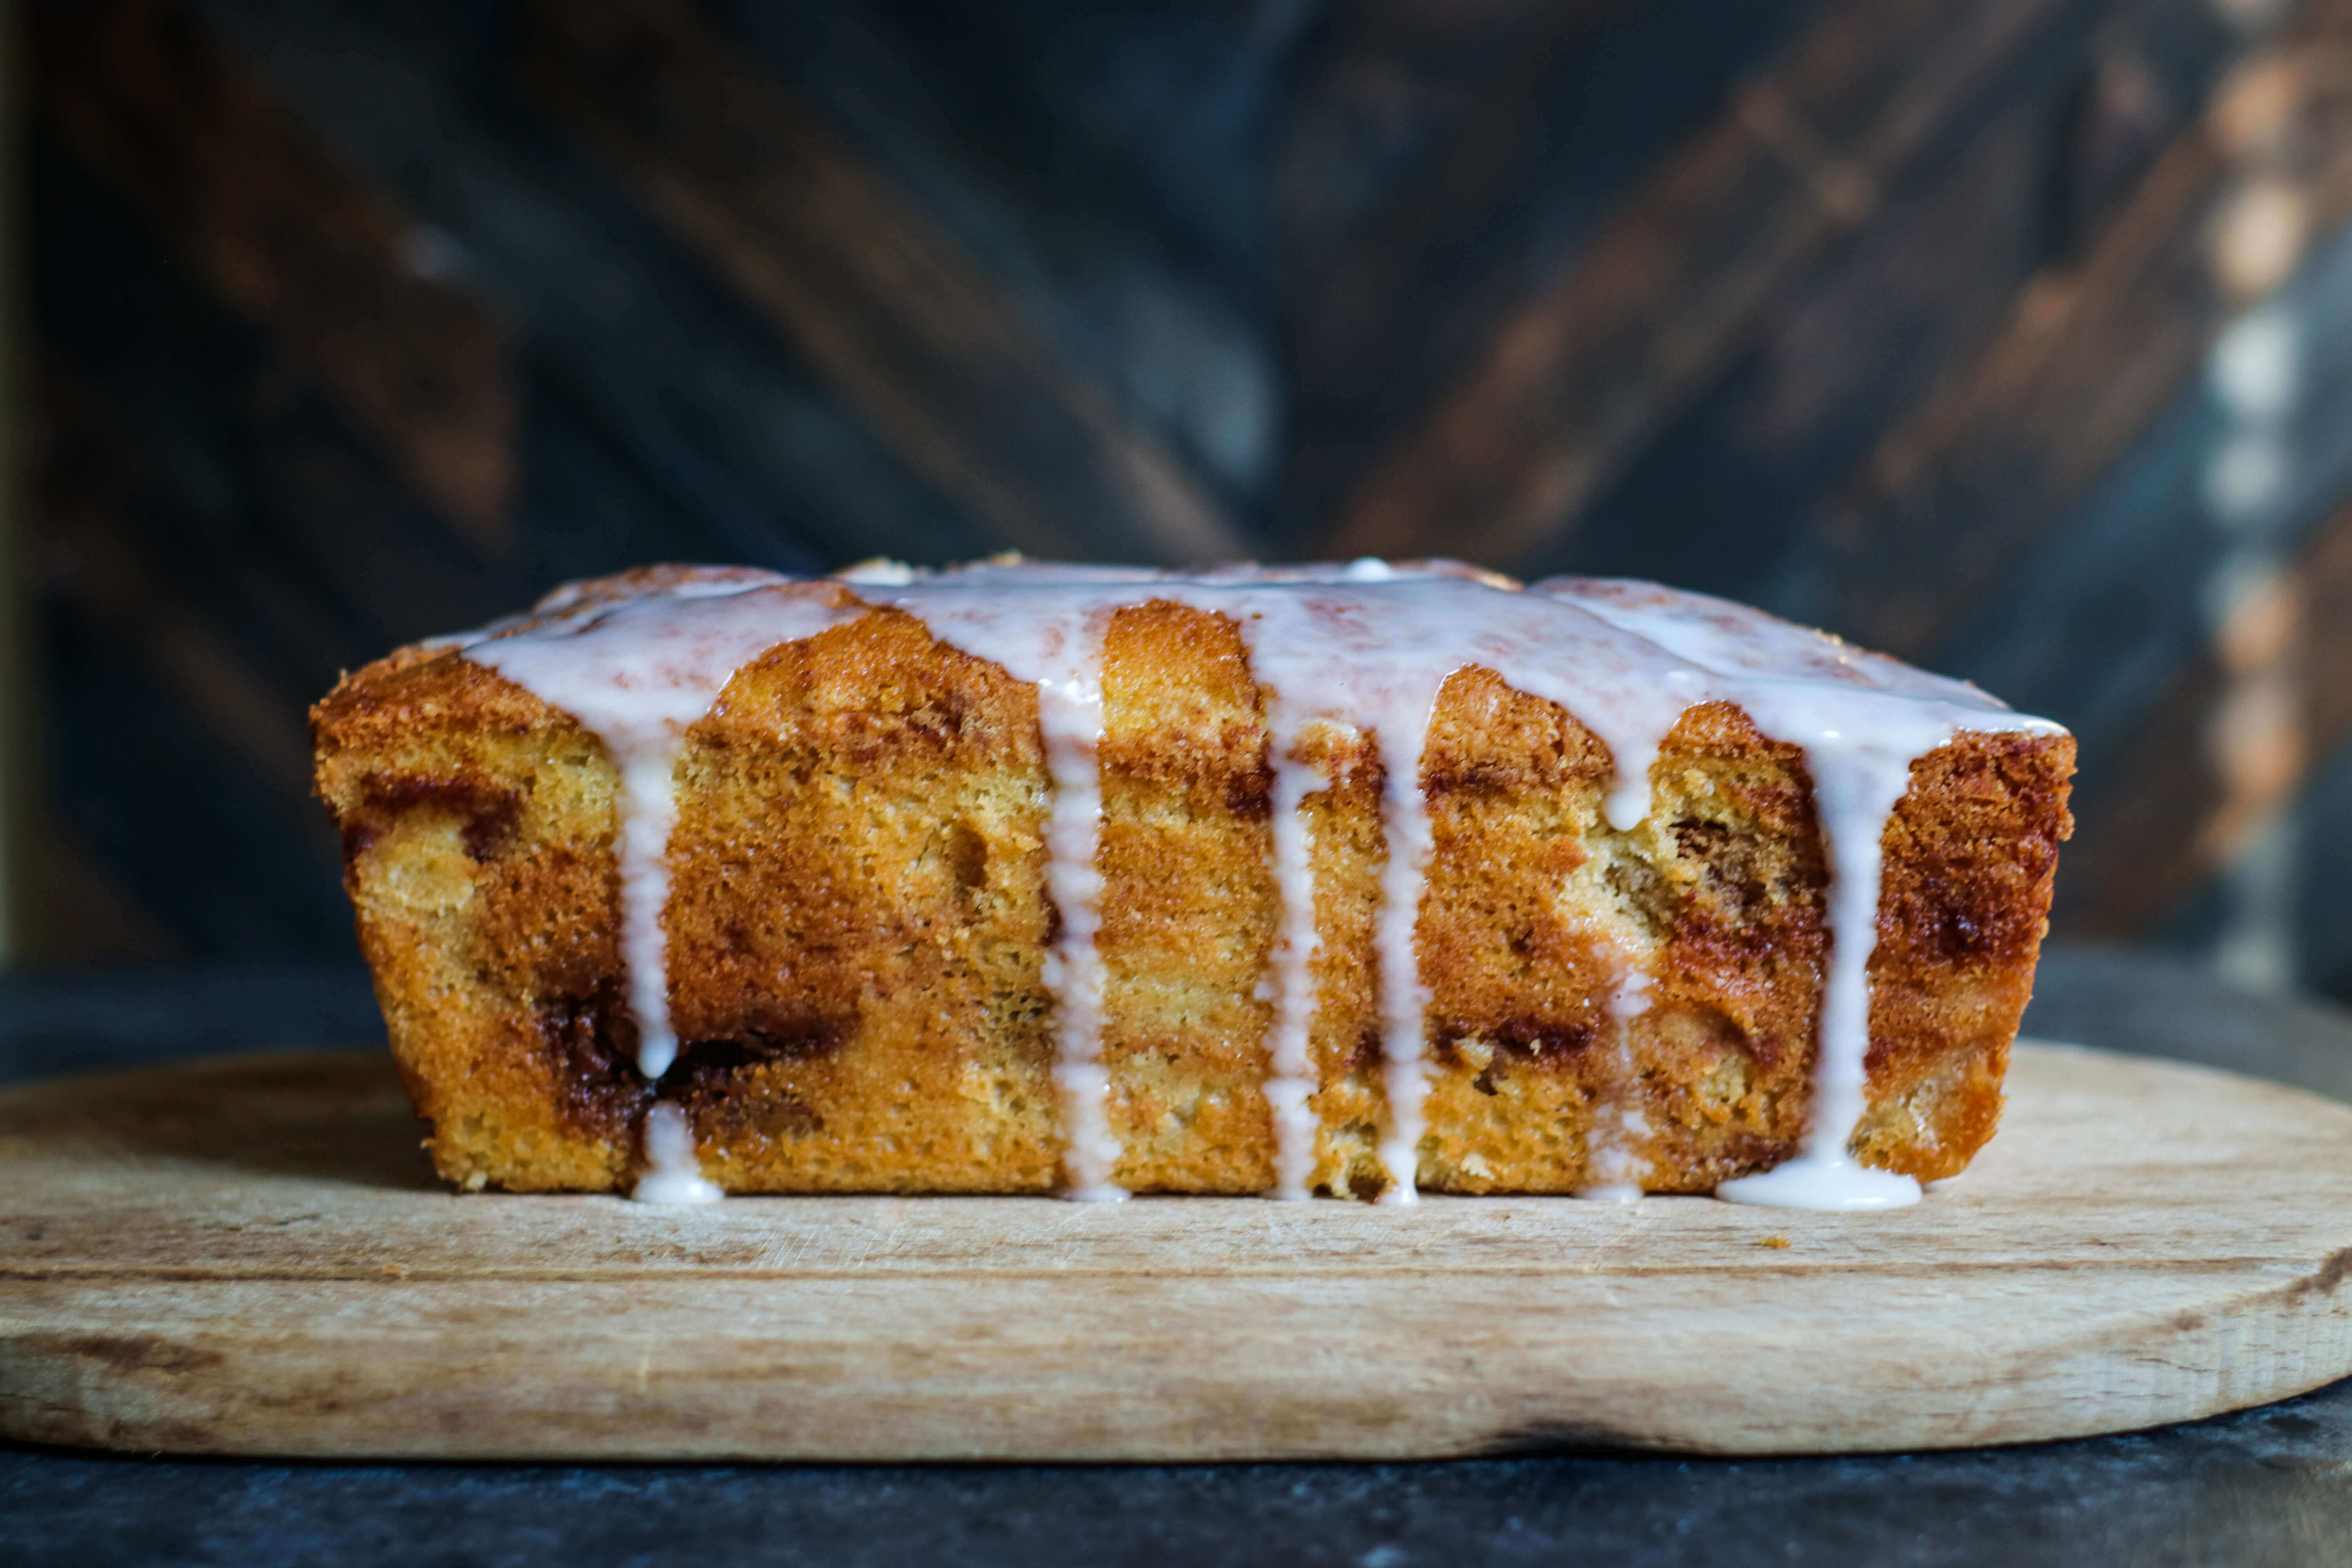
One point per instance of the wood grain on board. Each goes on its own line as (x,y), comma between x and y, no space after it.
(249,1256)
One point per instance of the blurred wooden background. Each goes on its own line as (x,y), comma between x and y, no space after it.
(2012,336)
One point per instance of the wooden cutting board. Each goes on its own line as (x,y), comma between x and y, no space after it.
(249,1256)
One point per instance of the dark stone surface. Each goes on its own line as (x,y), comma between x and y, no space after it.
(2264,1486)
(2268,1487)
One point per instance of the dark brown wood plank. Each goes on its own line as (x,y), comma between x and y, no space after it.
(1401,139)
(293,238)
(179,821)
(2092,352)
(2207,767)
(1678,280)
(82,475)
(1433,158)
(1722,497)
(21,831)
(1719,498)
(883,305)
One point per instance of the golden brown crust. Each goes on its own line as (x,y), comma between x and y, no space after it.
(858,921)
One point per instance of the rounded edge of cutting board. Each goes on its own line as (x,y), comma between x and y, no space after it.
(249,1256)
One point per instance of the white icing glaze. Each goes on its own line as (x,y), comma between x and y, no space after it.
(1370,646)
(1862,719)
(1366,646)
(1612,1155)
(1324,658)
(1290,1082)
(636,672)
(672,1173)
(1044,625)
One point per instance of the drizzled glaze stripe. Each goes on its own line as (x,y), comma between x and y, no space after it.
(1366,647)
(637,671)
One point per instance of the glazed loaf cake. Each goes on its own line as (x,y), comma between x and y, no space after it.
(1356,882)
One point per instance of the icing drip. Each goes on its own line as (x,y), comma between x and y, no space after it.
(1361,648)
(672,1174)
(636,672)
(1291,1079)
(1862,719)
(1046,627)
(1074,969)
(1370,646)
(1617,1166)
(1359,654)
(1365,647)
(1856,786)
(1405,999)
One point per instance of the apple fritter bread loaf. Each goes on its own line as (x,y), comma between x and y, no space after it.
(1355,881)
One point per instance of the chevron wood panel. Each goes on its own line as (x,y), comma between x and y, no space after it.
(1801,157)
(2090,355)
(864,286)
(361,319)
(251,201)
